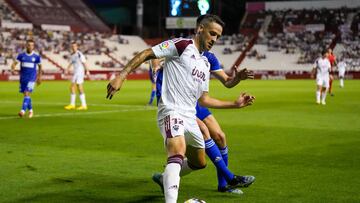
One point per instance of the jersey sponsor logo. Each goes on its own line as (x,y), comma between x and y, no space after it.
(28,65)
(164,45)
(198,75)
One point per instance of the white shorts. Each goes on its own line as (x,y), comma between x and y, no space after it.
(323,81)
(78,78)
(341,73)
(174,125)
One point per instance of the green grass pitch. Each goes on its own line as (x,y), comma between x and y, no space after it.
(298,151)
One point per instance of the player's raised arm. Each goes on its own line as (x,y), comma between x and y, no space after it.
(242,101)
(134,63)
(226,80)
(232,81)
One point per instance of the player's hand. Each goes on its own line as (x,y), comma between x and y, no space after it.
(114,86)
(13,71)
(244,100)
(87,74)
(244,74)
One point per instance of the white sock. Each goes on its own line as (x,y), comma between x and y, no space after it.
(323,95)
(82,99)
(171,180)
(318,96)
(185,169)
(72,99)
(341,82)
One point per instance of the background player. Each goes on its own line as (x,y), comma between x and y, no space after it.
(333,63)
(154,66)
(322,68)
(176,112)
(341,69)
(77,61)
(29,60)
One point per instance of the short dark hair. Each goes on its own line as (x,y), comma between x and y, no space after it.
(73,42)
(324,52)
(207,18)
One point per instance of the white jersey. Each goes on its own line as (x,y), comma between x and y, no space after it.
(77,59)
(185,77)
(323,67)
(341,66)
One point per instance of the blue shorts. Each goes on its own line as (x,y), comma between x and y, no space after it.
(202,112)
(27,86)
(153,76)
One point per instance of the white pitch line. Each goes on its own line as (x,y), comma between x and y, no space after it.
(62,103)
(78,113)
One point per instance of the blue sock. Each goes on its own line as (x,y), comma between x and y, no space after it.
(214,154)
(221,179)
(29,104)
(224,154)
(152,96)
(25,103)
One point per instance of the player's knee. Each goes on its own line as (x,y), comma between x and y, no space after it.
(197,166)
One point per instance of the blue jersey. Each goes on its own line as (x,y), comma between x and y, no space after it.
(201,112)
(214,62)
(28,64)
(152,76)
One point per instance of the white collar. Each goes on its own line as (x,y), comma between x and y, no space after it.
(30,53)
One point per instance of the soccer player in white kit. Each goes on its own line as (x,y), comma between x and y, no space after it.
(341,69)
(78,62)
(322,68)
(185,81)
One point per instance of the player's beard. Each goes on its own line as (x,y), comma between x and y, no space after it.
(203,45)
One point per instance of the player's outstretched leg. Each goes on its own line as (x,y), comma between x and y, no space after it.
(29,107)
(330,86)
(82,98)
(171,178)
(152,96)
(83,102)
(234,181)
(25,104)
(323,96)
(72,102)
(158,179)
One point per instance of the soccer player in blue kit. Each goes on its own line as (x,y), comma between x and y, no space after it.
(29,61)
(154,66)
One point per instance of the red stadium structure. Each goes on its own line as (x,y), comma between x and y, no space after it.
(276,40)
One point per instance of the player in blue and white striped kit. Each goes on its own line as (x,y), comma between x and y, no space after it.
(29,61)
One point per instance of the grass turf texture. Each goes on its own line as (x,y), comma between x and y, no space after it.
(298,151)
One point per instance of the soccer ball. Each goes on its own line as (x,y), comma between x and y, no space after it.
(194,200)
